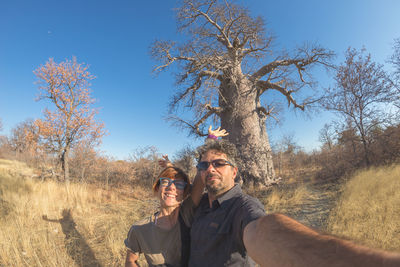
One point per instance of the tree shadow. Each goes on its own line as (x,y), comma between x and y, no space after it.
(75,243)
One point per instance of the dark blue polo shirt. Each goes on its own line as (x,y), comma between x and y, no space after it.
(217,232)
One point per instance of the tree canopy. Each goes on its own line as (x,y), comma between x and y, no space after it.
(67,86)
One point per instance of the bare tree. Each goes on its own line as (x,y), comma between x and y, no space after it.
(395,60)
(186,160)
(327,136)
(361,89)
(223,77)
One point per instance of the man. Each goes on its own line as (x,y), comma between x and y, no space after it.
(223,213)
(229,227)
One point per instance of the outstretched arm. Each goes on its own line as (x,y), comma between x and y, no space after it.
(277,240)
(44,217)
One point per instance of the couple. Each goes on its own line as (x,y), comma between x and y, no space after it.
(230,228)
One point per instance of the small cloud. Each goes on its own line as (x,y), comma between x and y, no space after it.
(48,32)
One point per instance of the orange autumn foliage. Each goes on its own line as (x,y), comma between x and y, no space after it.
(67,86)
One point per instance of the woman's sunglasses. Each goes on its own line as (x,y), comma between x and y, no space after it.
(166,182)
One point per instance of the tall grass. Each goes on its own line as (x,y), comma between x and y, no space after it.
(45,223)
(285,198)
(369,209)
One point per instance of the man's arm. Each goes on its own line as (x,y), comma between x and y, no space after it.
(277,240)
(131,259)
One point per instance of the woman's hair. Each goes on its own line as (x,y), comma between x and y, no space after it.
(172,173)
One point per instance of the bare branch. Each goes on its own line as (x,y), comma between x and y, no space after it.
(195,86)
(264,85)
(195,128)
(306,57)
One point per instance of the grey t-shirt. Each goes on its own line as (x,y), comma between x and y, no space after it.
(161,247)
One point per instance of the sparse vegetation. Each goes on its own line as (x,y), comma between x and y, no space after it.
(369,209)
(46,223)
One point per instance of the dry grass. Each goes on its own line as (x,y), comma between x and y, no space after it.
(369,209)
(285,198)
(53,224)
(45,223)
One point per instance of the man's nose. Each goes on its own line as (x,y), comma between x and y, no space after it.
(210,168)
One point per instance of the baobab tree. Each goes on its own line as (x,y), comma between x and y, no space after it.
(67,86)
(225,76)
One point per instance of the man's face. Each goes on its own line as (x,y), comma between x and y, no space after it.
(220,179)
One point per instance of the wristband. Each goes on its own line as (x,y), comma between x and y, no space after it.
(211,136)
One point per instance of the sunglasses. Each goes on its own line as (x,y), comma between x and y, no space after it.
(166,182)
(217,163)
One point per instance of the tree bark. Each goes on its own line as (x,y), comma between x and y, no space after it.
(65,163)
(246,125)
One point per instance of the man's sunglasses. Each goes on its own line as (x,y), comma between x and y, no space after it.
(179,184)
(217,163)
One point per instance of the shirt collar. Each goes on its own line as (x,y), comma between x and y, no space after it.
(236,190)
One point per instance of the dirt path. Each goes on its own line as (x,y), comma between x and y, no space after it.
(315,210)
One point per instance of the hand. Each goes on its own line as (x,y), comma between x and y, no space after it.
(217,132)
(164,162)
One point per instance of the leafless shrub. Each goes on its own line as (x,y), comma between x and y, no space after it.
(186,160)
(145,163)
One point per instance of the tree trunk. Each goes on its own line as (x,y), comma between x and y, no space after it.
(245,122)
(65,163)
(366,151)
(83,173)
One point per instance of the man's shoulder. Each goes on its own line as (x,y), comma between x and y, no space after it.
(247,200)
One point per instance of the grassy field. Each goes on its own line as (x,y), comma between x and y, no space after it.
(46,223)
(369,209)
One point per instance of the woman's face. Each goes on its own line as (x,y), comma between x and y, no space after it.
(170,195)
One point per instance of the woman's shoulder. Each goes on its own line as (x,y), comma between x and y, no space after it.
(144,222)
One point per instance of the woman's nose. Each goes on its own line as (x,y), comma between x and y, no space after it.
(169,187)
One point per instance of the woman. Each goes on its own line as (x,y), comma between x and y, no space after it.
(162,240)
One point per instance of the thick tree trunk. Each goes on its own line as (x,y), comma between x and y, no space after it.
(245,122)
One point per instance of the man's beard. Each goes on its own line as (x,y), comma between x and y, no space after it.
(216,188)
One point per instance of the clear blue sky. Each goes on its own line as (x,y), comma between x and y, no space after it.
(113,37)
